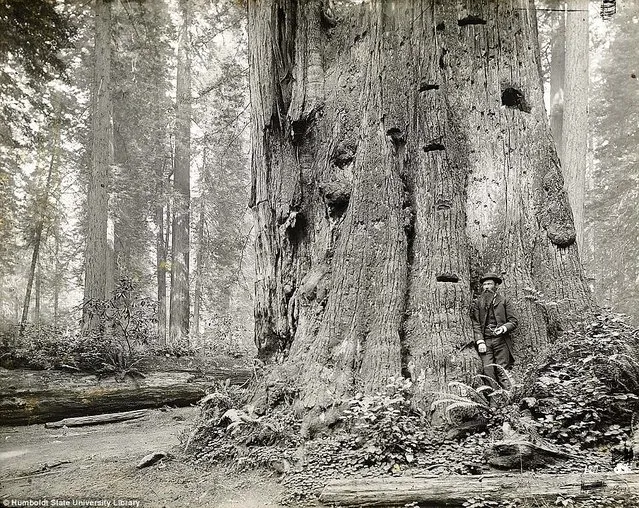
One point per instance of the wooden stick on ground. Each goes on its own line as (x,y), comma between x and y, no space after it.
(455,490)
(98,419)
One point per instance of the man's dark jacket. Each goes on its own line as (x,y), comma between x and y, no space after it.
(504,315)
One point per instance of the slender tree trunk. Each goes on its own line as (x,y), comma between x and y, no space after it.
(557,70)
(38,292)
(112,271)
(163,216)
(17,308)
(162,184)
(199,266)
(575,125)
(56,285)
(180,301)
(161,263)
(399,150)
(97,255)
(32,269)
(37,239)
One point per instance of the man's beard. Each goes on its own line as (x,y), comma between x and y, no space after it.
(486,298)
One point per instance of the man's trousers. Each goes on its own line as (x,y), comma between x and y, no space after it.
(497,353)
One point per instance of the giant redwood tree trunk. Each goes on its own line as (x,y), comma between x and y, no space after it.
(180,297)
(399,150)
(97,251)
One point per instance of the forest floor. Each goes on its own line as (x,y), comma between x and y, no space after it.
(99,463)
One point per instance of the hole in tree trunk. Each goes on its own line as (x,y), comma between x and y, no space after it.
(328,16)
(442,59)
(513,98)
(443,205)
(299,129)
(432,147)
(396,135)
(447,277)
(337,195)
(428,86)
(344,155)
(441,27)
(296,228)
(471,20)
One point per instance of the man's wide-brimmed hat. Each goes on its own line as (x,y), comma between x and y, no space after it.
(491,276)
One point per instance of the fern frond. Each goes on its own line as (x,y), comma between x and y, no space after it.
(441,402)
(463,405)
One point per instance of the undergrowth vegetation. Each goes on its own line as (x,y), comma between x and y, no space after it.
(124,327)
(586,391)
(580,398)
(122,336)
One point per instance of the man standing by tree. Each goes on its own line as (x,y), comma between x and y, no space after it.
(493,319)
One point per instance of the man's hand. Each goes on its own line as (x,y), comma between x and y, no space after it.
(500,330)
(481,347)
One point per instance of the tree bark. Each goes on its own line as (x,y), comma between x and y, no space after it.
(97,256)
(161,262)
(456,490)
(199,266)
(38,292)
(160,253)
(180,300)
(575,124)
(57,281)
(557,70)
(400,149)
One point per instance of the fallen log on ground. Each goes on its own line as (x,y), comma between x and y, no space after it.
(28,397)
(455,490)
(516,454)
(81,421)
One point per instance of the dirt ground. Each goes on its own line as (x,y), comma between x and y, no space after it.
(99,463)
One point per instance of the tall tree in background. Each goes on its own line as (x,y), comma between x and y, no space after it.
(220,90)
(574,148)
(612,215)
(223,184)
(398,153)
(557,69)
(33,36)
(180,300)
(141,145)
(41,210)
(97,251)
(160,156)
(8,212)
(200,255)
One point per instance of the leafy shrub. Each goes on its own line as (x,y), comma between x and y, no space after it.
(118,331)
(40,347)
(177,348)
(122,328)
(587,388)
(227,431)
(385,428)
